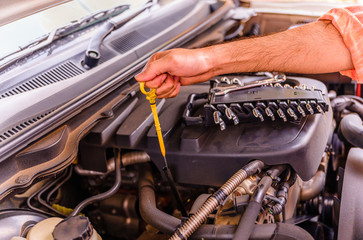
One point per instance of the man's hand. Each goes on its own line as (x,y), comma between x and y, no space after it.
(167,71)
(312,48)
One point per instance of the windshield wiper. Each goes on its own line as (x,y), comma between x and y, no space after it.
(93,52)
(61,32)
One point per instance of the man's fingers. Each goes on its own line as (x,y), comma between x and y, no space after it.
(148,73)
(167,71)
(154,67)
(167,86)
(171,93)
(176,90)
(157,81)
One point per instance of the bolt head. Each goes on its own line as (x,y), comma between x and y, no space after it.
(22,179)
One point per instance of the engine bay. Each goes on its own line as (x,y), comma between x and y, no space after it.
(248,155)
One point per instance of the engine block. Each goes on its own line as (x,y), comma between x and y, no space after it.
(202,154)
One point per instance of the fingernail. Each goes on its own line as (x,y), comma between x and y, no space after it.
(139,76)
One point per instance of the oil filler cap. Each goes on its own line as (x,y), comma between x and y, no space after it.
(73,228)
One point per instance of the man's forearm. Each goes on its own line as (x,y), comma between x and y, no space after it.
(313,48)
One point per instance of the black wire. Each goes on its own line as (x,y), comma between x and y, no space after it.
(106,194)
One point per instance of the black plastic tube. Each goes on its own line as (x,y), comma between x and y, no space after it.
(148,211)
(106,194)
(283,192)
(247,222)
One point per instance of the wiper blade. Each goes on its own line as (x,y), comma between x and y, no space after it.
(93,52)
(91,19)
(47,39)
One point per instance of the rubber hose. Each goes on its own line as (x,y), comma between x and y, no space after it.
(199,202)
(352,129)
(148,211)
(167,223)
(131,158)
(193,223)
(247,222)
(315,185)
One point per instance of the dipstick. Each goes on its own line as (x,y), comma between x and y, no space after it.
(151,96)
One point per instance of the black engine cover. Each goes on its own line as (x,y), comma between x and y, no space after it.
(208,156)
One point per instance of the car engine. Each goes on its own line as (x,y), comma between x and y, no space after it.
(248,155)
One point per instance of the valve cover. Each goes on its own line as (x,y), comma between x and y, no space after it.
(205,155)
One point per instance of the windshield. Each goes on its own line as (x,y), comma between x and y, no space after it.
(18,33)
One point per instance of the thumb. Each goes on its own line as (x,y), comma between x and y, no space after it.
(141,77)
(151,70)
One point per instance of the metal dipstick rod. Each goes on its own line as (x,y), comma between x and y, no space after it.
(151,96)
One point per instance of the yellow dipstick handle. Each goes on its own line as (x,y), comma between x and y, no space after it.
(151,96)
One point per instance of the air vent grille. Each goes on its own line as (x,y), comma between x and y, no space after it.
(16,129)
(128,42)
(56,74)
(132,39)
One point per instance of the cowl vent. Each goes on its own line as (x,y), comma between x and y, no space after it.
(18,128)
(56,74)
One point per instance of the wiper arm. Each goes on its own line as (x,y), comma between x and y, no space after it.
(91,19)
(93,52)
(60,32)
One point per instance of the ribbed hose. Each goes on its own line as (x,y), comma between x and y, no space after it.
(216,199)
(196,220)
(167,223)
(131,158)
